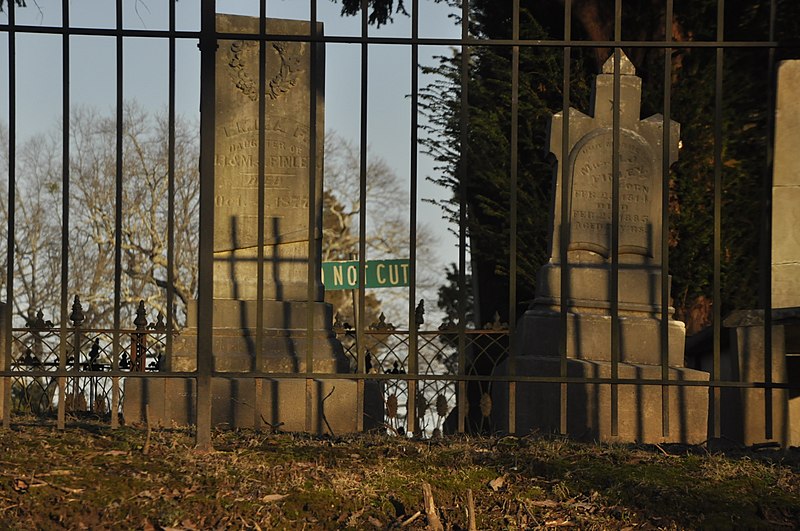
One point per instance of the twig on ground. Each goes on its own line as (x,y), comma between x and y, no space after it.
(36,482)
(322,411)
(430,509)
(472,525)
(410,520)
(274,427)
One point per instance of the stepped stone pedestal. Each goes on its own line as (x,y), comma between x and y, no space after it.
(579,276)
(291,174)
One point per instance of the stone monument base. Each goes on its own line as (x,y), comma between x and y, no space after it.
(743,410)
(284,350)
(173,401)
(589,404)
(589,336)
(284,338)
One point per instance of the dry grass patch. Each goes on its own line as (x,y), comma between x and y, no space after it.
(90,476)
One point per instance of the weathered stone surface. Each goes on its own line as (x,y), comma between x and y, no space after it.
(288,125)
(589,287)
(785,285)
(281,351)
(786,169)
(589,404)
(739,318)
(743,411)
(293,162)
(585,174)
(786,190)
(287,161)
(786,219)
(234,401)
(589,337)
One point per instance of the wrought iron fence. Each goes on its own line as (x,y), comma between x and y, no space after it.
(35,357)
(387,352)
(428,376)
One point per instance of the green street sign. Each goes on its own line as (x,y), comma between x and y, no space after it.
(378,273)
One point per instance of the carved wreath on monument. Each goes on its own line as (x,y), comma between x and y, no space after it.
(245,53)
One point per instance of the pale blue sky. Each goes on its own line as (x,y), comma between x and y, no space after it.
(92,79)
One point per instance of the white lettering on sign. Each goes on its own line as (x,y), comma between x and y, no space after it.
(352,275)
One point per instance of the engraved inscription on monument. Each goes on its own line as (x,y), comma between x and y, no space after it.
(287,125)
(285,182)
(591,194)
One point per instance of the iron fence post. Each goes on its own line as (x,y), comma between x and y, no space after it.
(205,362)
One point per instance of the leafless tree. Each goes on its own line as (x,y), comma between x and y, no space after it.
(91,236)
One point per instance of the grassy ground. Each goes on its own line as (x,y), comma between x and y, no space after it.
(93,477)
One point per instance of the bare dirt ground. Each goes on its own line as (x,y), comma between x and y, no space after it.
(92,477)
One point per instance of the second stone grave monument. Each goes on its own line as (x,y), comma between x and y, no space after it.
(583,282)
(292,191)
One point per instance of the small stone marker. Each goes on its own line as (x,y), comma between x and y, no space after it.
(585,174)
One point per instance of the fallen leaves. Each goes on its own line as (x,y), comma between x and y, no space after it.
(497,483)
(269,498)
(20,485)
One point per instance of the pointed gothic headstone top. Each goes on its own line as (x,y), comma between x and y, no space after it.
(626,68)
(587,175)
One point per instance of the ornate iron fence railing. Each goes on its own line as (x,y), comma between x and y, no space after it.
(35,354)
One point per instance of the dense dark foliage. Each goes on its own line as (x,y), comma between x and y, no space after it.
(20,3)
(380,11)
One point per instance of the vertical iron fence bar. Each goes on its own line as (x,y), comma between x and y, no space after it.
(767,265)
(413,354)
(512,268)
(615,208)
(362,216)
(665,162)
(462,219)
(717,295)
(62,325)
(12,192)
(564,230)
(116,347)
(261,160)
(170,292)
(205,288)
(313,273)
(170,194)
